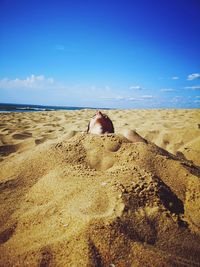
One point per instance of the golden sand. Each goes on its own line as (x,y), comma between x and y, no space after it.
(68,198)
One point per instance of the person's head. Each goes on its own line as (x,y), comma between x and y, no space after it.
(100,124)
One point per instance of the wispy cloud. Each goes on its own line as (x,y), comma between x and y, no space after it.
(166,90)
(120,98)
(136,87)
(107,88)
(115,98)
(147,97)
(193,76)
(176,99)
(141,98)
(175,78)
(33,81)
(129,98)
(195,87)
(134,99)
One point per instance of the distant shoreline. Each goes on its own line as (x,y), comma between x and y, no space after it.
(10,107)
(7,107)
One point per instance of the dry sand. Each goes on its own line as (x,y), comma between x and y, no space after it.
(68,198)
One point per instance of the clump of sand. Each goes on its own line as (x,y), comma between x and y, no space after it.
(79,199)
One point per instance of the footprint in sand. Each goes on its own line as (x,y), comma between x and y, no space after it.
(46,257)
(40,140)
(7,234)
(99,161)
(22,136)
(6,150)
(95,203)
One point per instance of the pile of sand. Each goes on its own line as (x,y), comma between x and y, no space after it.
(89,200)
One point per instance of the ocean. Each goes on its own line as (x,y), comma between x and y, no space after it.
(33,108)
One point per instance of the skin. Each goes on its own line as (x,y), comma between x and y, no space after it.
(101,124)
(133,136)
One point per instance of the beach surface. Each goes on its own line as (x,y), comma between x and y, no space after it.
(68,198)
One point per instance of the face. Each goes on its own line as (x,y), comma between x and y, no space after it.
(98,115)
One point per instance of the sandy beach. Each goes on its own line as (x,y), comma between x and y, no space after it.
(68,198)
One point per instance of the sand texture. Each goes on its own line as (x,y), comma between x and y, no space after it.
(68,198)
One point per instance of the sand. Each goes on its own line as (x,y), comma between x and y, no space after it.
(68,198)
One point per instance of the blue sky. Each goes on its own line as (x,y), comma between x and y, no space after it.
(120,54)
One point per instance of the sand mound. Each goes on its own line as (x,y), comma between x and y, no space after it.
(87,200)
(177,131)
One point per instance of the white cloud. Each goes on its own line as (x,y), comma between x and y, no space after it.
(115,98)
(175,78)
(146,96)
(33,81)
(141,98)
(129,98)
(107,88)
(166,90)
(195,87)
(135,87)
(133,99)
(120,98)
(178,99)
(107,97)
(193,76)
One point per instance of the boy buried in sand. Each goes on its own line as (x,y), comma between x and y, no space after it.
(101,124)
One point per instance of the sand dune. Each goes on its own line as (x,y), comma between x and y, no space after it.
(68,198)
